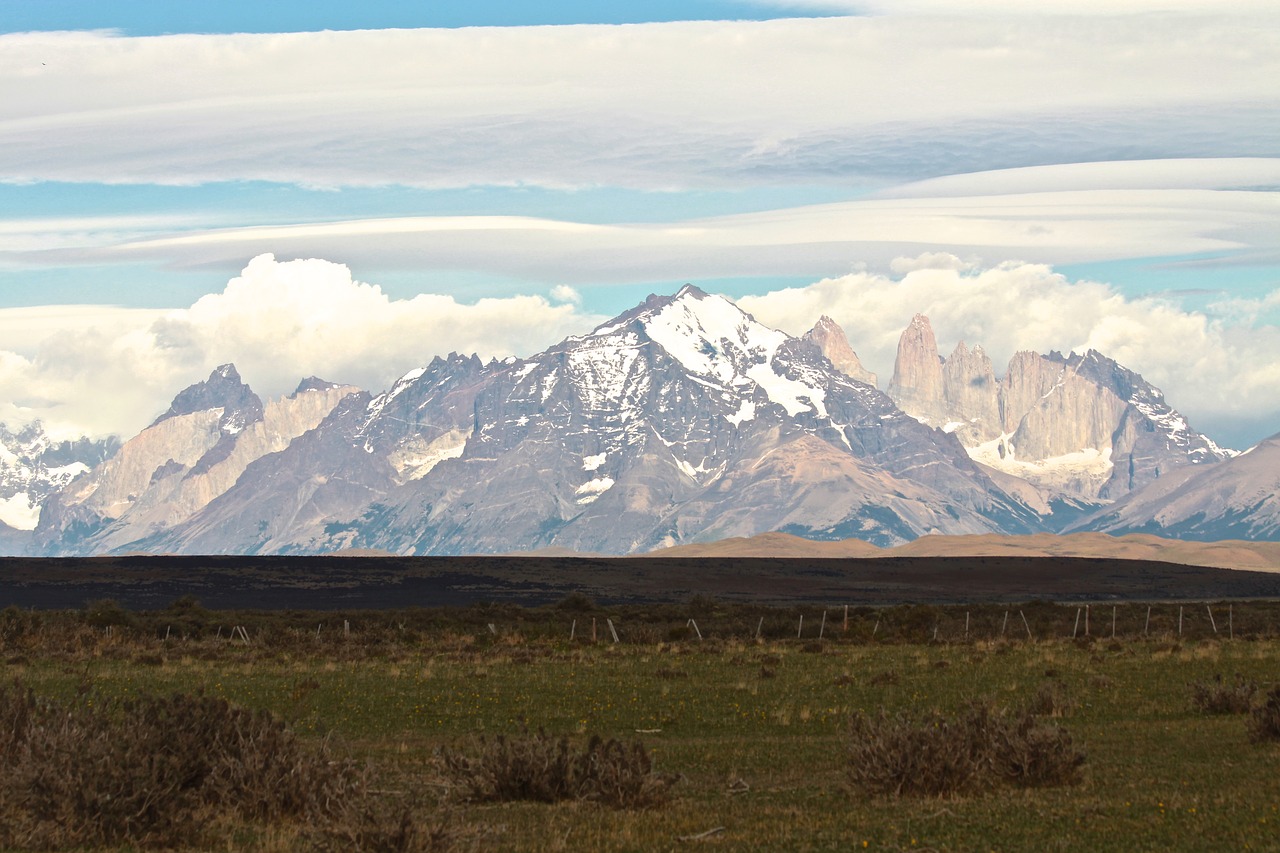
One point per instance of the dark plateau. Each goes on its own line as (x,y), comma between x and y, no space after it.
(341,582)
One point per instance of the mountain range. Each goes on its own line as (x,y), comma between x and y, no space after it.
(683,420)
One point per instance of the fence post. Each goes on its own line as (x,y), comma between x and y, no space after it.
(801,628)
(1211,622)
(823,627)
(1147,627)
(1026,625)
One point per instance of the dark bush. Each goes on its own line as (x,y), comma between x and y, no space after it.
(1050,700)
(547,769)
(932,755)
(107,611)
(154,772)
(577,602)
(922,756)
(885,678)
(1029,753)
(1218,697)
(1264,722)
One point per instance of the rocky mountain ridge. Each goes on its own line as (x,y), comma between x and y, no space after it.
(189,455)
(33,467)
(1080,426)
(1237,499)
(681,421)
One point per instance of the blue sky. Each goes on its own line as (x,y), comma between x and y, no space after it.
(1095,174)
(246,16)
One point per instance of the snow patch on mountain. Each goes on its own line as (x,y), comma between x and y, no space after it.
(593,489)
(19,512)
(746,412)
(712,338)
(1083,471)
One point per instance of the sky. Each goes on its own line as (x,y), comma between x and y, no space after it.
(350,189)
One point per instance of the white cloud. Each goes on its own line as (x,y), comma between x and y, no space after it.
(278,322)
(1065,214)
(1212,369)
(652,105)
(103,369)
(1020,7)
(565,293)
(1074,216)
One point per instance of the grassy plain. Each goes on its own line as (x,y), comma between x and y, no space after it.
(755,728)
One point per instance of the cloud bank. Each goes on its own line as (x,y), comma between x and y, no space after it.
(106,370)
(652,106)
(102,370)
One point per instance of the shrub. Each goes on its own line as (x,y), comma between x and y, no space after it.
(1050,700)
(1217,697)
(1264,722)
(882,679)
(153,771)
(933,755)
(547,769)
(1028,753)
(905,755)
(107,612)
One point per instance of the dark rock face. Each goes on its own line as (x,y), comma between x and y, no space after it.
(222,390)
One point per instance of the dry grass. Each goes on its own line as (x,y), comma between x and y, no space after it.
(545,769)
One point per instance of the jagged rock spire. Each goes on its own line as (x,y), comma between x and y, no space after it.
(917,373)
(834,344)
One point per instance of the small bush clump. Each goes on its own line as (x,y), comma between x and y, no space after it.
(1050,700)
(1264,722)
(166,772)
(933,755)
(927,756)
(1028,753)
(547,769)
(1218,697)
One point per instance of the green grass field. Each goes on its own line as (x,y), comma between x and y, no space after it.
(755,729)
